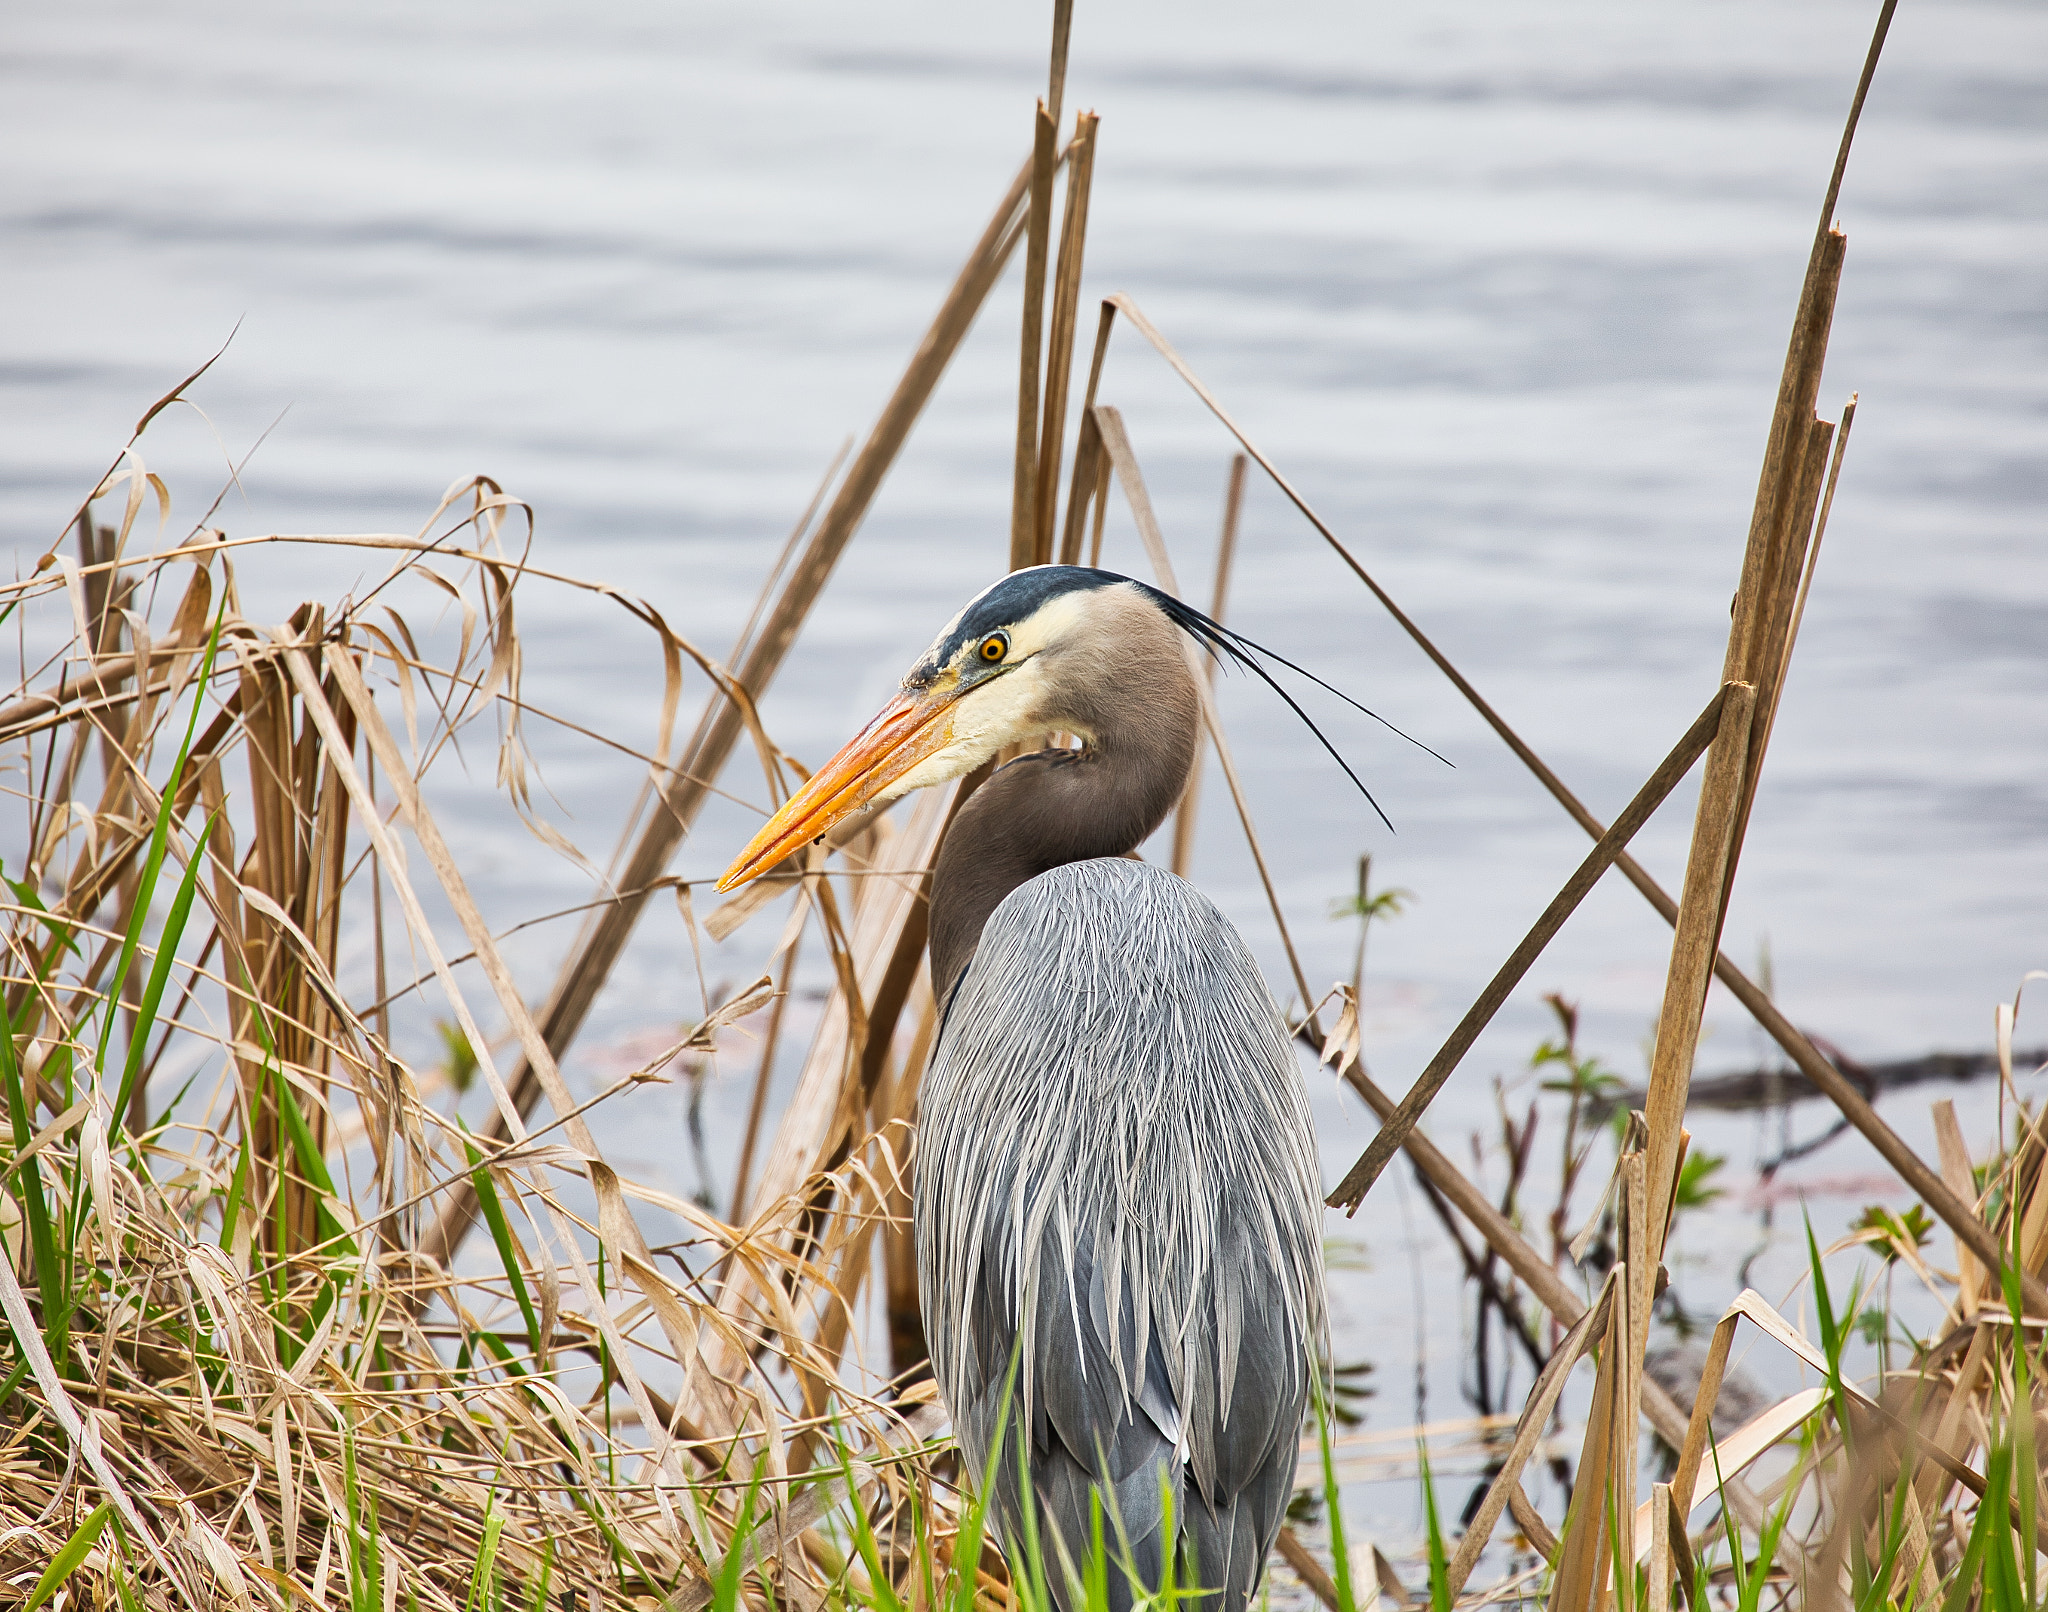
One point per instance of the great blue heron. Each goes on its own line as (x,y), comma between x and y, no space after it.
(1116,1185)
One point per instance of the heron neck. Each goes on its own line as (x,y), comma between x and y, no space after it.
(1053,807)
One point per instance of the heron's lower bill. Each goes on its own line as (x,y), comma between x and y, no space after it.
(909,729)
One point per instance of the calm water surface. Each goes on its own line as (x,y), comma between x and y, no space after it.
(1504,288)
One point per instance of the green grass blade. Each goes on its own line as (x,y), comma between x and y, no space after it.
(28,1191)
(484,1574)
(160,974)
(1095,1571)
(538,1601)
(1972,1567)
(365,1566)
(13,1381)
(1439,1559)
(725,1590)
(885,1598)
(1028,1576)
(962,1595)
(153,859)
(1333,1509)
(312,1163)
(501,1235)
(2024,1456)
(66,1561)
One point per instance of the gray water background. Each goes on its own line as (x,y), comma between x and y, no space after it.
(1504,288)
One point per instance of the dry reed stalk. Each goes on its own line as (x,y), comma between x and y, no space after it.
(1090,483)
(1056,73)
(1310,1571)
(1716,843)
(1059,361)
(907,1348)
(888,1127)
(1038,229)
(1605,1486)
(757,1104)
(1188,812)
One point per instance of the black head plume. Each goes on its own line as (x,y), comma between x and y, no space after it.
(1235,648)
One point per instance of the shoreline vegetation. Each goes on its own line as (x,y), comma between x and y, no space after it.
(281,1331)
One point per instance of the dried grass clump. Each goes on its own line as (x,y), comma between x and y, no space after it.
(243,1364)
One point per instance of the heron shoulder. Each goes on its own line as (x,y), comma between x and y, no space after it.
(1111,960)
(1163,920)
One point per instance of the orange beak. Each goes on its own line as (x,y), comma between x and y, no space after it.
(908,729)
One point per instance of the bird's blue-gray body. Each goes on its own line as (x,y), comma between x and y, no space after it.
(1118,1191)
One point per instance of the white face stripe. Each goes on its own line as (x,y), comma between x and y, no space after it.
(1010,706)
(1049,623)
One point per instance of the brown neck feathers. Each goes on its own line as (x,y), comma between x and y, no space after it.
(1126,684)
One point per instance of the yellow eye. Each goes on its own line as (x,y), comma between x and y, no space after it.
(994,648)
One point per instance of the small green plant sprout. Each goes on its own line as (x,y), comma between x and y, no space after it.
(1585,1081)
(1892,1234)
(1368,907)
(459,1060)
(1374,908)
(1350,1388)
(1696,1187)
(1583,1078)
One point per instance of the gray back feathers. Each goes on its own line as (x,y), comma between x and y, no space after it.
(1117,1187)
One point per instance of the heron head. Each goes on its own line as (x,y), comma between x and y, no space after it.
(993,677)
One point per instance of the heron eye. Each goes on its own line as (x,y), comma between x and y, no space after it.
(994,648)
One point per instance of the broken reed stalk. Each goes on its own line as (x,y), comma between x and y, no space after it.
(1056,73)
(1189,810)
(681,793)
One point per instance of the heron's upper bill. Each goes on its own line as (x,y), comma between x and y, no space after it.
(908,730)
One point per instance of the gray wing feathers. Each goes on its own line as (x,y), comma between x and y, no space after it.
(1116,1165)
